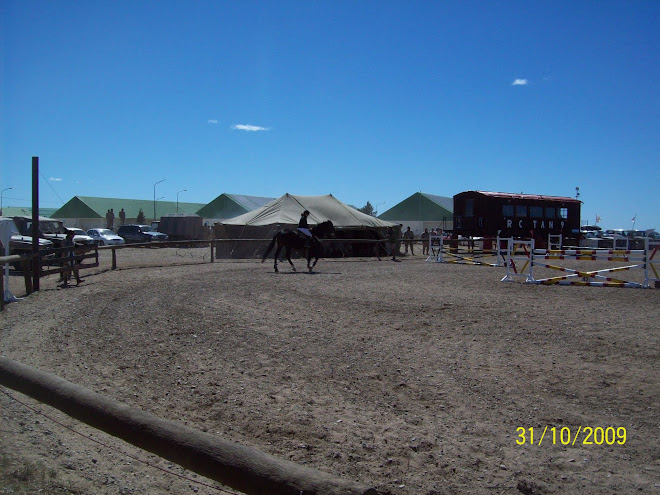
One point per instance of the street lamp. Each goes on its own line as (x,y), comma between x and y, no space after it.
(1,193)
(155,197)
(376,207)
(157,200)
(177,199)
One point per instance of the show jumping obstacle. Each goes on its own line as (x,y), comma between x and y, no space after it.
(519,257)
(642,259)
(465,251)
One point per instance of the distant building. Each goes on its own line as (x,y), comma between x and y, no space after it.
(420,211)
(489,214)
(228,206)
(88,212)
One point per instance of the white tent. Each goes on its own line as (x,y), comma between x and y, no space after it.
(284,212)
(287,209)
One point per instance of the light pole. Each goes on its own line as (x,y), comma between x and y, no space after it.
(177,199)
(157,200)
(155,197)
(1,193)
(376,207)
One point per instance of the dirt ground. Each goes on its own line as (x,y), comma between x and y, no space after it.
(410,377)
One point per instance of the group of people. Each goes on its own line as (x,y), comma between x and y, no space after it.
(394,234)
(110,218)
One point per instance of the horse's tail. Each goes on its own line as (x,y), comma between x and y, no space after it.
(270,247)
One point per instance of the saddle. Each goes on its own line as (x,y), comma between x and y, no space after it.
(309,241)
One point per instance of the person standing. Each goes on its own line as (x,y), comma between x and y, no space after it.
(71,265)
(408,237)
(425,241)
(122,217)
(393,237)
(112,219)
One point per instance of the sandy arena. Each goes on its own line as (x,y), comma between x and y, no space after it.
(410,377)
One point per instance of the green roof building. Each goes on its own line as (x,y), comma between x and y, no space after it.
(89,212)
(422,210)
(26,211)
(228,206)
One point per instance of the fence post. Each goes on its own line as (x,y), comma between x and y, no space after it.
(114,258)
(212,244)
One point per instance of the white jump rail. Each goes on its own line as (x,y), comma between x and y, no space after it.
(641,259)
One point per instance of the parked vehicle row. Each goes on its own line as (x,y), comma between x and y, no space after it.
(52,234)
(105,237)
(140,233)
(594,237)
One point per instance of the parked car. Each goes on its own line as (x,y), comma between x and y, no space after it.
(22,244)
(49,228)
(81,237)
(105,237)
(140,233)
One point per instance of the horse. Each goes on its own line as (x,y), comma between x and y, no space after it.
(293,239)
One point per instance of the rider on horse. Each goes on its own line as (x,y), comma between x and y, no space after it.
(303,227)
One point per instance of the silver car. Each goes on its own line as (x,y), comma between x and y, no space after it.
(81,237)
(105,237)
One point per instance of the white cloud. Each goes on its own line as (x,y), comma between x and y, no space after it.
(519,82)
(55,179)
(247,127)
(212,121)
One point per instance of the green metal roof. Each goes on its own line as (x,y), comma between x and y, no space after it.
(421,207)
(93,207)
(25,211)
(228,206)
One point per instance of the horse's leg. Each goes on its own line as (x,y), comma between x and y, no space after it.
(277,255)
(287,251)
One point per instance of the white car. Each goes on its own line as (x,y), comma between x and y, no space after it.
(105,237)
(81,237)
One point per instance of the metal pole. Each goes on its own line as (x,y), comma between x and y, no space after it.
(36,262)
(177,199)
(1,193)
(155,197)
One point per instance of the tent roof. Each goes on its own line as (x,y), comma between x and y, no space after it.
(232,205)
(286,210)
(93,207)
(421,207)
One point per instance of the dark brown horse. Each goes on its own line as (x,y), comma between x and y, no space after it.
(293,239)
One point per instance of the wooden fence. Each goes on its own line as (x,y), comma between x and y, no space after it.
(54,260)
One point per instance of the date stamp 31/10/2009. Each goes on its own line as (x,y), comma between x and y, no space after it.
(584,435)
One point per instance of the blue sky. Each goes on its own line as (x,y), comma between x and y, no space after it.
(369,101)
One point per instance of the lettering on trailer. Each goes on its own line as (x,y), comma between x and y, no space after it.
(540,224)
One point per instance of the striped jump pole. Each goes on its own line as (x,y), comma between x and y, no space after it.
(439,253)
(512,271)
(598,278)
(651,272)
